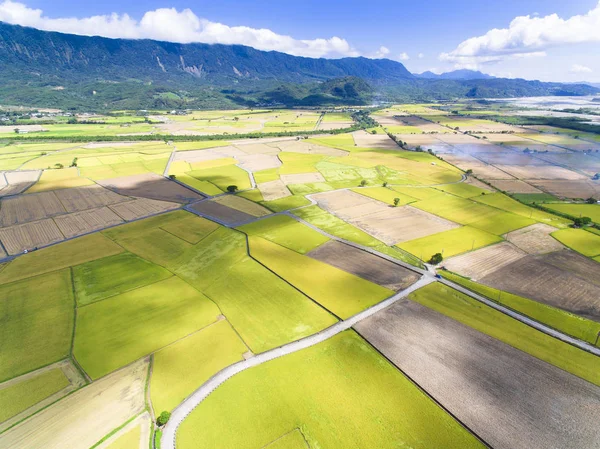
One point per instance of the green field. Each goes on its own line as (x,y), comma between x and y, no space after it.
(121,329)
(295,163)
(22,395)
(503,202)
(580,240)
(36,317)
(450,243)
(287,232)
(287,203)
(181,368)
(530,198)
(129,440)
(223,176)
(113,275)
(339,394)
(385,195)
(574,325)
(190,227)
(578,210)
(342,293)
(500,326)
(66,254)
(453,208)
(463,190)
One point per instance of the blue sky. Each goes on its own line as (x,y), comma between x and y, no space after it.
(424,35)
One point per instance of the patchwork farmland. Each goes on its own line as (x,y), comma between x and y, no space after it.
(296,279)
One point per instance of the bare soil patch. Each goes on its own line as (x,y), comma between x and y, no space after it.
(88,197)
(273,190)
(28,236)
(367,140)
(484,261)
(535,239)
(79,223)
(562,279)
(302,178)
(514,186)
(257,148)
(365,265)
(86,416)
(243,205)
(257,162)
(488,172)
(507,397)
(221,213)
(309,148)
(208,155)
(541,172)
(569,189)
(31,207)
(153,186)
(143,207)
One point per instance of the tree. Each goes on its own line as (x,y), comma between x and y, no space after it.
(172,177)
(582,221)
(436,259)
(74,163)
(232,189)
(363,183)
(396,201)
(59,166)
(590,201)
(16,130)
(385,184)
(469,172)
(163,418)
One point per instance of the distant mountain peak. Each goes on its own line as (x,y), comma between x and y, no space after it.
(463,74)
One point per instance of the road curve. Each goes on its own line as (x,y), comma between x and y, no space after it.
(187,406)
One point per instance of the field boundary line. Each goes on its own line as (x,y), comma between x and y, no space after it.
(192,401)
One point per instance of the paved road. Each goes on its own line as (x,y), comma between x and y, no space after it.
(187,406)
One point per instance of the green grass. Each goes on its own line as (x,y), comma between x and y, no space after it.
(63,255)
(421,193)
(102,278)
(181,368)
(121,329)
(203,186)
(530,198)
(22,395)
(503,202)
(579,240)
(508,330)
(286,232)
(268,175)
(385,195)
(342,293)
(566,322)
(578,210)
(223,176)
(287,203)
(190,228)
(459,210)
(340,393)
(502,223)
(463,190)
(36,317)
(450,243)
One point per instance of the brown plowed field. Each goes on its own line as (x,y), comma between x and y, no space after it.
(535,239)
(143,207)
(484,261)
(273,190)
(89,197)
(507,397)
(27,236)
(221,212)
(561,279)
(540,172)
(302,178)
(19,181)
(27,208)
(257,162)
(79,223)
(569,189)
(365,265)
(152,186)
(367,140)
(514,186)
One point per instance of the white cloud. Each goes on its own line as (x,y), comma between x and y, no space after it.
(403,57)
(172,25)
(527,36)
(578,68)
(381,53)
(421,56)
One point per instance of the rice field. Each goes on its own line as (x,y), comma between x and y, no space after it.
(340,393)
(580,240)
(578,210)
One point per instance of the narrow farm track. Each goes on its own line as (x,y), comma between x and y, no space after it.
(187,406)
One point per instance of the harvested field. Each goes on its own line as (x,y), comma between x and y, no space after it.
(303,178)
(562,279)
(208,155)
(28,236)
(273,190)
(19,181)
(86,416)
(59,179)
(221,213)
(488,172)
(90,197)
(152,186)
(570,189)
(506,396)
(343,199)
(366,140)
(257,162)
(484,261)
(514,186)
(531,172)
(27,208)
(365,265)
(143,207)
(308,148)
(257,148)
(243,205)
(79,223)
(535,239)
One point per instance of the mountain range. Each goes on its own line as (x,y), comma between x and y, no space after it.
(456,75)
(49,69)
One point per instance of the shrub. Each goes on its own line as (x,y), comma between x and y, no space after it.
(436,259)
(163,418)
(232,189)
(396,201)
(172,177)
(363,183)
